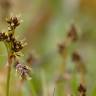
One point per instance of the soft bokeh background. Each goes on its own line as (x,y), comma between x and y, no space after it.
(46,23)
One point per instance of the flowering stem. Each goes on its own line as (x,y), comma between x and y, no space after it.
(8,74)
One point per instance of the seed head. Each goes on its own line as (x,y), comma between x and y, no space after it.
(82,90)
(13,22)
(1,36)
(4,36)
(61,47)
(22,70)
(17,45)
(76,57)
(73,33)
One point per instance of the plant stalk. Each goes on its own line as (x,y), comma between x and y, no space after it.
(8,74)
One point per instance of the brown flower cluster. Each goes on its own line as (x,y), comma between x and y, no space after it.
(76,57)
(82,90)
(22,70)
(13,22)
(72,36)
(9,38)
(13,44)
(73,33)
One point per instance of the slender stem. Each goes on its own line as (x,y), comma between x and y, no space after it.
(9,66)
(54,91)
(8,74)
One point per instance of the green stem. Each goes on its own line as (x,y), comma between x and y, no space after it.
(8,74)
(9,66)
(54,91)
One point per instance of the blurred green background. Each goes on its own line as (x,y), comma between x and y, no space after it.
(46,24)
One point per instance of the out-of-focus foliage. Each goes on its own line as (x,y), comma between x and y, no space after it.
(46,24)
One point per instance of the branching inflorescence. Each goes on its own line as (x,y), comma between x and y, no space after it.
(71,38)
(14,47)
